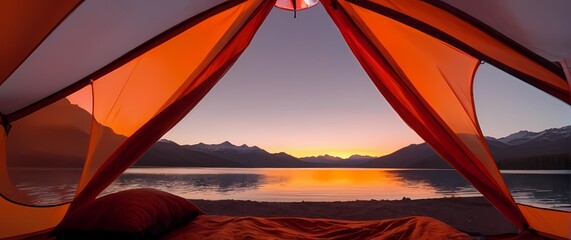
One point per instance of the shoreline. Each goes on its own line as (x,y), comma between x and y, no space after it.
(510,170)
(468,214)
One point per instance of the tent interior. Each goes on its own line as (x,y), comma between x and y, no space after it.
(134,69)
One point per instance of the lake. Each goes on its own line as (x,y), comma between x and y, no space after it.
(550,189)
(540,188)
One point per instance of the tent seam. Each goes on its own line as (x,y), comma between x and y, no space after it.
(31,205)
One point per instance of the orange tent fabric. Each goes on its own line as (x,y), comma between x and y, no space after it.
(113,100)
(118,104)
(421,55)
(550,223)
(441,112)
(429,84)
(152,130)
(482,43)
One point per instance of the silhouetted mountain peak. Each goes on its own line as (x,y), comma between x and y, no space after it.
(227,144)
(57,127)
(548,149)
(325,158)
(360,157)
(490,138)
(167,141)
(336,161)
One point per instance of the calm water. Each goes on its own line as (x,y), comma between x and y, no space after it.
(540,188)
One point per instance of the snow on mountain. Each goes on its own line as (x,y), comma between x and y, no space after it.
(527,136)
(520,137)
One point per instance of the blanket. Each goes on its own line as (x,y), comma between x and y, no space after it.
(226,227)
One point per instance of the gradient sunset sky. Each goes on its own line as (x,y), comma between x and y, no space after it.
(298,89)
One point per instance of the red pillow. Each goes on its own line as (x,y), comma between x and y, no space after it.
(136,213)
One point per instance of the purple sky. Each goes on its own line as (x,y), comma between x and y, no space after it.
(298,89)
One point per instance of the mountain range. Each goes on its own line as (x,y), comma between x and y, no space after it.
(548,149)
(169,153)
(58,136)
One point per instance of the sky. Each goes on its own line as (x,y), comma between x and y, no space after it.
(299,89)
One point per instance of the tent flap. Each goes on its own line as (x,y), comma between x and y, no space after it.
(438,106)
(251,15)
(548,222)
(133,101)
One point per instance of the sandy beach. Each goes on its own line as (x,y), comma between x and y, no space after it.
(472,214)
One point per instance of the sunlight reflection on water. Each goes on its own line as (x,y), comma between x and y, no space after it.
(286,185)
(549,189)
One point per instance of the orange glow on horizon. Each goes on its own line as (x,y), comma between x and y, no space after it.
(342,152)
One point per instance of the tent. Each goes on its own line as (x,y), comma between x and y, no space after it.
(138,67)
